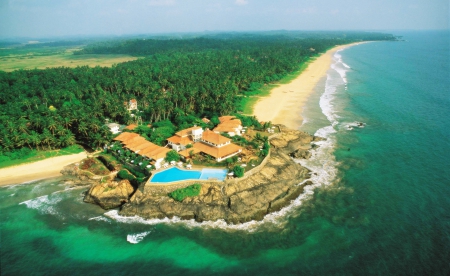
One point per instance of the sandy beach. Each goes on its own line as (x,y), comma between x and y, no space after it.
(47,168)
(285,103)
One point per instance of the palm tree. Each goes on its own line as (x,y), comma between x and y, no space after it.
(35,139)
(51,125)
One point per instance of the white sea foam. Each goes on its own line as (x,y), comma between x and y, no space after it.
(100,218)
(44,204)
(352,125)
(137,238)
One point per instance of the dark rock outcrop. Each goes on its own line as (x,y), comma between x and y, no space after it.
(109,195)
(301,153)
(263,190)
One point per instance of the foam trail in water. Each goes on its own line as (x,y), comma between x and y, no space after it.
(44,204)
(100,218)
(322,164)
(137,238)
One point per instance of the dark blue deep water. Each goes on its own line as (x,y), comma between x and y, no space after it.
(381,204)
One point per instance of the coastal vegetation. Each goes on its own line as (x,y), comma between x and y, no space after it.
(42,56)
(189,191)
(27,155)
(177,82)
(238,171)
(94,166)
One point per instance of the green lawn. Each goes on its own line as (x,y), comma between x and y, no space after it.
(36,155)
(40,58)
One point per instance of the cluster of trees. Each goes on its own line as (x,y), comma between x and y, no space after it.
(189,191)
(57,107)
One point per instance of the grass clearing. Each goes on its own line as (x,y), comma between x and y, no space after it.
(37,155)
(47,57)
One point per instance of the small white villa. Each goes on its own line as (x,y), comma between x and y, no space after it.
(185,137)
(113,127)
(131,104)
(229,125)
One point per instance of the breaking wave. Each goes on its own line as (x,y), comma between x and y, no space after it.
(44,204)
(137,238)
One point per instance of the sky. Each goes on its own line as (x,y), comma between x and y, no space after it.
(48,18)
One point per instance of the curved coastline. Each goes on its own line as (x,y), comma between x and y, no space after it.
(285,103)
(47,168)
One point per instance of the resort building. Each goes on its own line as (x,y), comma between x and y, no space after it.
(229,125)
(185,137)
(139,145)
(217,146)
(113,127)
(131,104)
(131,127)
(207,142)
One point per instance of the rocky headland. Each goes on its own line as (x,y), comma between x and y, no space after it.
(264,189)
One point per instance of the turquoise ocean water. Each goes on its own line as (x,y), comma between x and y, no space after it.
(381,203)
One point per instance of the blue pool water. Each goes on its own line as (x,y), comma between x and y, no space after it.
(219,174)
(175,174)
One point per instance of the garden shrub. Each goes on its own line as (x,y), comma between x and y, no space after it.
(124,174)
(189,191)
(238,171)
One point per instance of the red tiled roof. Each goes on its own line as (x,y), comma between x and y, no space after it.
(212,137)
(187,131)
(150,147)
(217,152)
(138,140)
(131,127)
(157,153)
(125,136)
(180,140)
(226,118)
(228,126)
(220,128)
(141,146)
(135,142)
(186,152)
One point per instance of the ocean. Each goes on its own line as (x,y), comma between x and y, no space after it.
(379,204)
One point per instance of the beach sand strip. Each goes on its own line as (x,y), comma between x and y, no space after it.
(285,103)
(46,168)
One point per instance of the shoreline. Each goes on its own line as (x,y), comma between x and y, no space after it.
(288,100)
(43,169)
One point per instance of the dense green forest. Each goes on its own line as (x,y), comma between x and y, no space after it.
(57,107)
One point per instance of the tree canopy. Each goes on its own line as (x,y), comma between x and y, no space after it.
(176,81)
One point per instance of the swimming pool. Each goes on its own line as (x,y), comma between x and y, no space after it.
(175,174)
